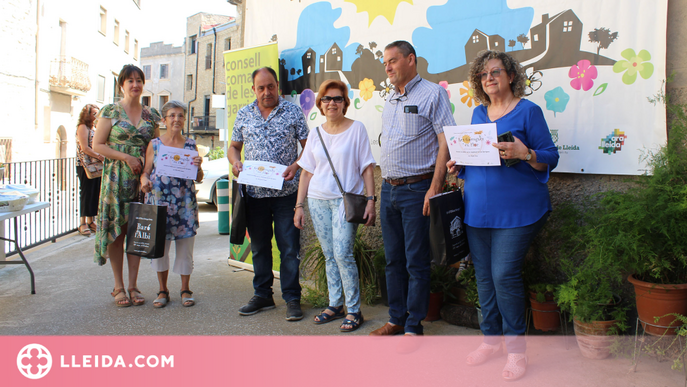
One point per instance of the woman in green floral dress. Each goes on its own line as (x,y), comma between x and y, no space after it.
(122,136)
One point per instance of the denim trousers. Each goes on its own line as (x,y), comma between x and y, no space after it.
(406,246)
(337,238)
(498,255)
(260,215)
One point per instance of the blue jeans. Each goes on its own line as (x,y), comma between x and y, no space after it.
(406,246)
(260,214)
(498,254)
(337,238)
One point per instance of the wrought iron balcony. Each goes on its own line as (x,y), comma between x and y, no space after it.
(203,124)
(70,76)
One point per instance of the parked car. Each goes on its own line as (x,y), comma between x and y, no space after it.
(213,171)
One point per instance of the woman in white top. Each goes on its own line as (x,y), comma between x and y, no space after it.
(349,148)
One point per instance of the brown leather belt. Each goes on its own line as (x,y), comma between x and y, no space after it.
(410,179)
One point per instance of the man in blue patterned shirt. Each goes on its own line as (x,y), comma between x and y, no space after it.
(413,162)
(271,129)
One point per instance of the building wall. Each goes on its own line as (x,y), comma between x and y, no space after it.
(18,75)
(39,33)
(204,84)
(172,86)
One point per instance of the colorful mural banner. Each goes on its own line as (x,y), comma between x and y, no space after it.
(239,65)
(591,66)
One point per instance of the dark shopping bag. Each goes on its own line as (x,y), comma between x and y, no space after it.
(145,235)
(238,213)
(446,228)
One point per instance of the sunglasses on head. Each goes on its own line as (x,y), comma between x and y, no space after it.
(337,99)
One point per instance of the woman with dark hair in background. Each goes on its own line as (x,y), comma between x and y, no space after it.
(89,189)
(124,130)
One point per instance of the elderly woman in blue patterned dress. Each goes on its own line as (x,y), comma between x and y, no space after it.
(179,196)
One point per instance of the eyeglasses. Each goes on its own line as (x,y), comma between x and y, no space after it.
(328,99)
(175,116)
(399,98)
(495,73)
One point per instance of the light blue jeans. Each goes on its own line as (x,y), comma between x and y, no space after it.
(337,238)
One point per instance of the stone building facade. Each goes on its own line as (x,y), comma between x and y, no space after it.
(208,36)
(163,66)
(51,70)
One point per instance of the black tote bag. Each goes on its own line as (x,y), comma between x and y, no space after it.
(446,228)
(237,233)
(145,235)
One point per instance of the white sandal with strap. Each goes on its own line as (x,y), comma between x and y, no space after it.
(483,353)
(512,366)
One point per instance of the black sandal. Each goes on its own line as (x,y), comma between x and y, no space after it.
(323,317)
(357,321)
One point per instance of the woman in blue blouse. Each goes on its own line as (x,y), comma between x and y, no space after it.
(505,207)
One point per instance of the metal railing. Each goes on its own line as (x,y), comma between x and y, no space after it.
(58,184)
(203,124)
(71,73)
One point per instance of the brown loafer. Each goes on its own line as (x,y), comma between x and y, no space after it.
(388,329)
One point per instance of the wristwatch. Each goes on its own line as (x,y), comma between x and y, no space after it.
(529,154)
(372,198)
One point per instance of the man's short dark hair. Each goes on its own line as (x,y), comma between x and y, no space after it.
(404,47)
(268,69)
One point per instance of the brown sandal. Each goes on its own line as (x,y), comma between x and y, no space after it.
(86,232)
(93,227)
(121,300)
(136,297)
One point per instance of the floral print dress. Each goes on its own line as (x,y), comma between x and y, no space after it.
(179,195)
(119,184)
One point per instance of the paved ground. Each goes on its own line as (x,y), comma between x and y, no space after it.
(73,298)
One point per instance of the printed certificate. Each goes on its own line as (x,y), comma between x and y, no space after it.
(262,174)
(471,144)
(176,162)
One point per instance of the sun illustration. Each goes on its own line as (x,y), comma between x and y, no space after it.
(176,158)
(466,139)
(385,8)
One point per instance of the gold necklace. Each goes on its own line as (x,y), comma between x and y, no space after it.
(504,110)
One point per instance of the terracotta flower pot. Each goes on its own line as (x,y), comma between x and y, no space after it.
(654,300)
(545,315)
(436,301)
(592,338)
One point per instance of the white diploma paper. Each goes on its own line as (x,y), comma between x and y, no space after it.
(176,162)
(471,144)
(262,174)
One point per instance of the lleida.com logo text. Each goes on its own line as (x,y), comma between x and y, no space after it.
(34,361)
(613,142)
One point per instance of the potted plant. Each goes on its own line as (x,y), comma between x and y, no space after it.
(379,263)
(642,229)
(545,311)
(467,278)
(590,297)
(441,279)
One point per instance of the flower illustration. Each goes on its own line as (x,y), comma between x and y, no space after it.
(468,95)
(307,101)
(635,63)
(583,75)
(532,83)
(444,84)
(556,100)
(386,88)
(366,86)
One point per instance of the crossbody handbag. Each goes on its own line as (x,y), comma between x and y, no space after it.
(354,204)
